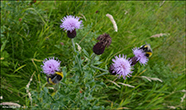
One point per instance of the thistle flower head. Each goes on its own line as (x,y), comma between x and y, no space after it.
(104,40)
(140,55)
(121,66)
(98,48)
(70,23)
(50,66)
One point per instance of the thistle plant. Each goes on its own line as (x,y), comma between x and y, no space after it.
(70,24)
(121,66)
(55,55)
(98,49)
(139,57)
(83,70)
(50,66)
(104,41)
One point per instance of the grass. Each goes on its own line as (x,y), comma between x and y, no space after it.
(31,33)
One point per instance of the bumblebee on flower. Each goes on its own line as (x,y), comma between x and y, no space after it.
(51,68)
(123,67)
(141,54)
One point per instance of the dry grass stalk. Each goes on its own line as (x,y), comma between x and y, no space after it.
(126,85)
(27,88)
(146,78)
(83,17)
(113,22)
(156,79)
(182,99)
(162,3)
(114,83)
(51,88)
(171,107)
(150,79)
(161,34)
(10,104)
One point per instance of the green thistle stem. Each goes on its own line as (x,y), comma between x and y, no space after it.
(91,64)
(76,58)
(73,45)
(99,68)
(93,56)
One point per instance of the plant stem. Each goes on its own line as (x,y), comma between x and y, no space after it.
(93,56)
(76,57)
(73,45)
(99,68)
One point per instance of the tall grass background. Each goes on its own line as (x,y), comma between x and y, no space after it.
(31,32)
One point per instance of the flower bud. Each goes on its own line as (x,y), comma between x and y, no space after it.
(71,34)
(98,48)
(111,69)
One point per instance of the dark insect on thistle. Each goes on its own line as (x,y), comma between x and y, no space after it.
(147,49)
(55,78)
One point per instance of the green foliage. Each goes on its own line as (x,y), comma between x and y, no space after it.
(75,91)
(87,37)
(31,32)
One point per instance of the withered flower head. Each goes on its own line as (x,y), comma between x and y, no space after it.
(104,40)
(98,48)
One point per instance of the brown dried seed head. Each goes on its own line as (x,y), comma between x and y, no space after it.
(105,39)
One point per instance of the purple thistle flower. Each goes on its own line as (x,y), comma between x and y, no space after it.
(50,66)
(121,66)
(140,55)
(70,23)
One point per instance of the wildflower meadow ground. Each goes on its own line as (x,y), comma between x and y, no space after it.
(93,55)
